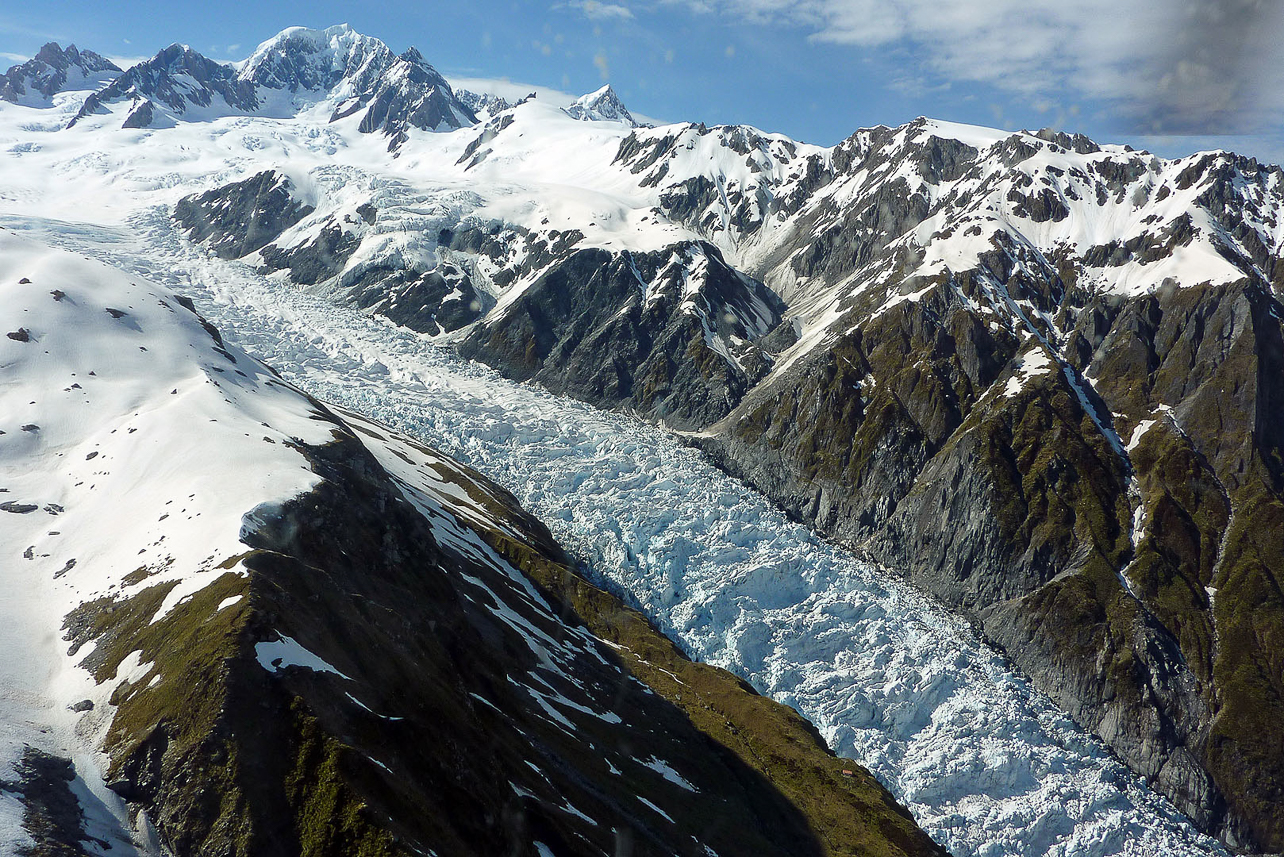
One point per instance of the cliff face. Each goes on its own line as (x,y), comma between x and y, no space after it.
(1105,569)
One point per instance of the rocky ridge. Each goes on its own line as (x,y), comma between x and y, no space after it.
(53,70)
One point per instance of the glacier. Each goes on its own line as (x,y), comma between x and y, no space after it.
(987,764)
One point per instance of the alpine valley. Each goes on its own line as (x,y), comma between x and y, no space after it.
(388,468)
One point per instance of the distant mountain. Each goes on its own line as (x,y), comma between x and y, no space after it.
(178,80)
(482,104)
(54,70)
(601,106)
(359,73)
(352,73)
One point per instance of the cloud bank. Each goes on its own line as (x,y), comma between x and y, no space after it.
(1161,66)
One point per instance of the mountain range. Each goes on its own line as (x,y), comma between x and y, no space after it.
(1034,376)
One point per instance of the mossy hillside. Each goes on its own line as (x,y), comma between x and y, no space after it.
(1028,483)
(329,819)
(166,741)
(1087,618)
(1246,747)
(849,814)
(855,423)
(1214,353)
(186,648)
(1185,519)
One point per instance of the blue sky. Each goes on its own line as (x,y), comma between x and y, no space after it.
(1168,75)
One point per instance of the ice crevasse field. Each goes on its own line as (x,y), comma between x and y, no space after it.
(986,764)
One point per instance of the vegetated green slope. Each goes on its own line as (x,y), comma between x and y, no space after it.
(438,724)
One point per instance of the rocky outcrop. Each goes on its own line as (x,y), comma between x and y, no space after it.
(240,218)
(670,335)
(53,70)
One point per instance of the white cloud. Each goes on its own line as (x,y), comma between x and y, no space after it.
(1172,66)
(18,58)
(601,11)
(603,66)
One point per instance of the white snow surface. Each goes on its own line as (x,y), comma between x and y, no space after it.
(987,765)
(100,410)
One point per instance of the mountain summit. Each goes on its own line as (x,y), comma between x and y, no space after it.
(602,106)
(294,70)
(54,70)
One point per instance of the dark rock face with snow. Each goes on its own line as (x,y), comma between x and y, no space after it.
(239,219)
(672,335)
(179,78)
(51,71)
(1073,466)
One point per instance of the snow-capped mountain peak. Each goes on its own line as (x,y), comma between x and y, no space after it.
(298,68)
(300,58)
(601,106)
(55,69)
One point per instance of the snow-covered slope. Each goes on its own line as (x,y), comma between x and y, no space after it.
(127,463)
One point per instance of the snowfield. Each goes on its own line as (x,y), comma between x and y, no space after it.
(986,764)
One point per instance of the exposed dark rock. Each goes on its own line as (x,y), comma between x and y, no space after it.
(17,508)
(52,816)
(618,330)
(178,78)
(1016,509)
(20,335)
(320,259)
(51,71)
(237,219)
(441,300)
